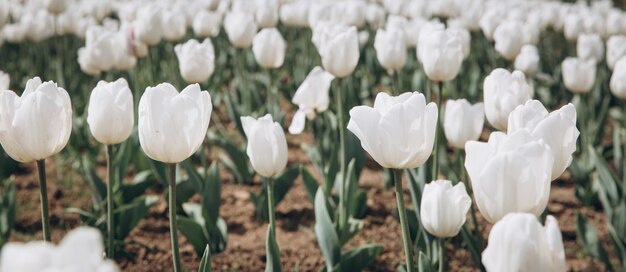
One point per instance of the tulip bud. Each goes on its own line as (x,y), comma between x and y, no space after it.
(578,74)
(172,125)
(463,122)
(528,60)
(508,39)
(5,81)
(573,26)
(590,46)
(398,132)
(441,54)
(267,146)
(149,25)
(266,13)
(340,51)
(110,113)
(207,24)
(615,49)
(240,28)
(390,48)
(557,129)
(490,21)
(100,51)
(174,25)
(618,79)
(269,48)
(464,36)
(503,91)
(615,23)
(56,6)
(443,208)
(36,125)
(196,60)
(311,98)
(518,242)
(509,173)
(295,13)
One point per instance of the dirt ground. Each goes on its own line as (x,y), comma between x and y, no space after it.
(295,219)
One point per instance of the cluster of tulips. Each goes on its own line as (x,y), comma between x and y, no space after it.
(508,177)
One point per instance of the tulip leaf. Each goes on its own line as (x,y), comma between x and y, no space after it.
(7,210)
(325,232)
(237,161)
(142,182)
(473,246)
(98,188)
(130,214)
(205,262)
(282,184)
(310,184)
(214,232)
(424,263)
(358,258)
(194,232)
(588,237)
(272,262)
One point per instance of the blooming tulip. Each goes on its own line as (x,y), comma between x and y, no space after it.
(441,54)
(398,132)
(463,122)
(311,98)
(5,81)
(196,60)
(509,173)
(390,48)
(443,208)
(615,49)
(590,46)
(207,24)
(518,242)
(173,125)
(528,60)
(508,39)
(99,53)
(557,129)
(503,91)
(269,48)
(267,146)
(578,74)
(110,113)
(240,28)
(618,79)
(340,51)
(464,36)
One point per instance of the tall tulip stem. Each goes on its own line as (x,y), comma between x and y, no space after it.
(343,213)
(173,223)
(442,254)
(110,208)
(270,205)
(439,95)
(406,239)
(464,178)
(43,193)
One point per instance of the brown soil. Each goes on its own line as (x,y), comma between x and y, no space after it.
(295,219)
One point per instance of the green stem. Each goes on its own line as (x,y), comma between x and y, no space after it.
(468,186)
(43,193)
(442,254)
(270,205)
(395,77)
(110,208)
(343,213)
(624,144)
(439,94)
(173,223)
(406,239)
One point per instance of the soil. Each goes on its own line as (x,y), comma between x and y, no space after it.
(149,241)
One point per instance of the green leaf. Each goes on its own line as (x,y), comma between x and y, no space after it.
(357,259)
(588,237)
(130,214)
(325,232)
(237,161)
(205,263)
(310,184)
(142,182)
(98,188)
(211,194)
(282,184)
(473,246)
(272,262)
(423,263)
(7,211)
(194,232)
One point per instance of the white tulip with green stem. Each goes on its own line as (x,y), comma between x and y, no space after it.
(267,151)
(111,117)
(311,97)
(399,133)
(34,127)
(269,48)
(172,127)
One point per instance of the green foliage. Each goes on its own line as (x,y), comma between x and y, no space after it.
(282,184)
(7,210)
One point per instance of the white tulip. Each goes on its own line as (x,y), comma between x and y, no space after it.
(311,98)
(390,48)
(443,208)
(590,46)
(503,91)
(295,13)
(618,79)
(174,25)
(149,25)
(240,28)
(490,21)
(578,74)
(207,24)
(110,113)
(267,146)
(441,54)
(5,81)
(269,48)
(266,13)
(56,6)
(340,51)
(615,49)
(508,39)
(34,256)
(196,60)
(464,36)
(463,122)
(528,60)
(573,26)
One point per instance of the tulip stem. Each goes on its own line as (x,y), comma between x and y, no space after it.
(396,83)
(343,216)
(406,239)
(463,177)
(43,193)
(442,254)
(173,223)
(270,205)
(110,208)
(439,94)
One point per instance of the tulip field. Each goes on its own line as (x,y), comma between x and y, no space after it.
(306,135)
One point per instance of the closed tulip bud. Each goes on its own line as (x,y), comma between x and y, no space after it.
(269,48)
(148,25)
(441,54)
(464,36)
(618,79)
(240,28)
(518,242)
(266,13)
(578,74)
(398,132)
(207,24)
(557,129)
(196,60)
(267,146)
(56,6)
(100,51)
(295,14)
(172,125)
(615,49)
(509,173)
(490,21)
(311,98)
(590,46)
(36,125)
(340,52)
(573,26)
(390,48)
(615,22)
(503,91)
(443,208)
(5,81)
(528,60)
(110,113)
(463,122)
(508,40)
(174,25)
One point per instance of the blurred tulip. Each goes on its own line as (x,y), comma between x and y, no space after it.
(390,48)
(196,60)
(490,21)
(518,242)
(266,13)
(503,91)
(464,36)
(100,51)
(240,28)
(557,129)
(34,256)
(615,49)
(56,6)
(509,173)
(295,13)
(441,54)
(207,24)
(443,208)
(340,52)
(615,23)
(398,132)
(590,46)
(36,125)
(578,74)
(174,25)
(172,125)
(507,38)
(269,48)
(149,25)
(618,79)
(573,26)
(5,81)
(463,122)
(528,60)
(267,146)
(110,113)
(311,98)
